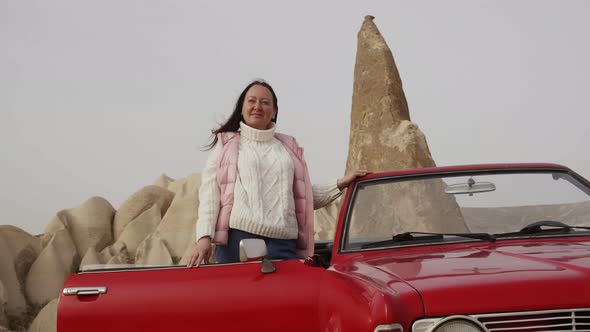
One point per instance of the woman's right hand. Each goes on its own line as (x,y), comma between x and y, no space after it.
(202,252)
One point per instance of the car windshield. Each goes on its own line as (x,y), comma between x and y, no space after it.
(397,211)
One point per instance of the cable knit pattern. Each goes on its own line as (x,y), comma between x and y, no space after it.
(263,194)
(324,194)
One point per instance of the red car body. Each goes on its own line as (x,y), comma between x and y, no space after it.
(384,289)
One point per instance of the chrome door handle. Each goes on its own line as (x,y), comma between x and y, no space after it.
(84,290)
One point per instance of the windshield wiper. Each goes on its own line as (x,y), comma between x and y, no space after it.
(425,237)
(543,227)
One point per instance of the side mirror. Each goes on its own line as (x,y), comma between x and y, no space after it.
(254,250)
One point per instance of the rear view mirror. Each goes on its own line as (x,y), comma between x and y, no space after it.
(252,250)
(470,187)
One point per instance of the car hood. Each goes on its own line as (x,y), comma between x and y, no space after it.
(496,277)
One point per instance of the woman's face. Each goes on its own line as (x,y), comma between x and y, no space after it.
(258,109)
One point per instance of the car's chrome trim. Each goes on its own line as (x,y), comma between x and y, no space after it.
(133,268)
(389,327)
(577,319)
(93,290)
(433,323)
(567,318)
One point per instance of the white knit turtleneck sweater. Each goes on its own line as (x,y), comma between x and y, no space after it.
(263,193)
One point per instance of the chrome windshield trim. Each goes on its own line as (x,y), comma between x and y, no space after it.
(471,241)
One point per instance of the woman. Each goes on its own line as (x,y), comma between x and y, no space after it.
(256,185)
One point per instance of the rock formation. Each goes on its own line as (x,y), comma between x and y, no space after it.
(90,258)
(3,301)
(139,228)
(139,202)
(163,181)
(18,252)
(111,255)
(177,229)
(115,254)
(46,320)
(382,138)
(89,225)
(325,220)
(153,251)
(55,263)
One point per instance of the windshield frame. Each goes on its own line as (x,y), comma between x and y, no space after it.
(583,185)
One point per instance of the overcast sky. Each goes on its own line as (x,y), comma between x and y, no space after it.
(98,98)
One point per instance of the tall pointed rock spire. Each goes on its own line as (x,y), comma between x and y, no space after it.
(382,137)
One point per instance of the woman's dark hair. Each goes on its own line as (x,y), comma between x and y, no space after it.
(233,123)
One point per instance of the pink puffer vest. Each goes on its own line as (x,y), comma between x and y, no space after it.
(227,173)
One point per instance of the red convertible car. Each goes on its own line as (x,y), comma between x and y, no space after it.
(481,248)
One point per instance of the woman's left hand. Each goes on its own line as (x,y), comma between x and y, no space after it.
(348,178)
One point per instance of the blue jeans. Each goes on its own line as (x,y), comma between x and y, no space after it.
(276,248)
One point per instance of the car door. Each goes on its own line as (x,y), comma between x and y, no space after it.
(209,298)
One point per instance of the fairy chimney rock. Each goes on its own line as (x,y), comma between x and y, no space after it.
(381,134)
(382,138)
(18,252)
(139,202)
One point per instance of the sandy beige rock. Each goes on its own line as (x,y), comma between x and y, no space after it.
(177,228)
(382,138)
(182,186)
(139,228)
(153,251)
(18,251)
(163,181)
(88,224)
(381,134)
(186,186)
(116,260)
(421,206)
(114,256)
(3,301)
(55,263)
(46,320)
(139,202)
(14,295)
(90,258)
(117,253)
(55,224)
(326,219)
